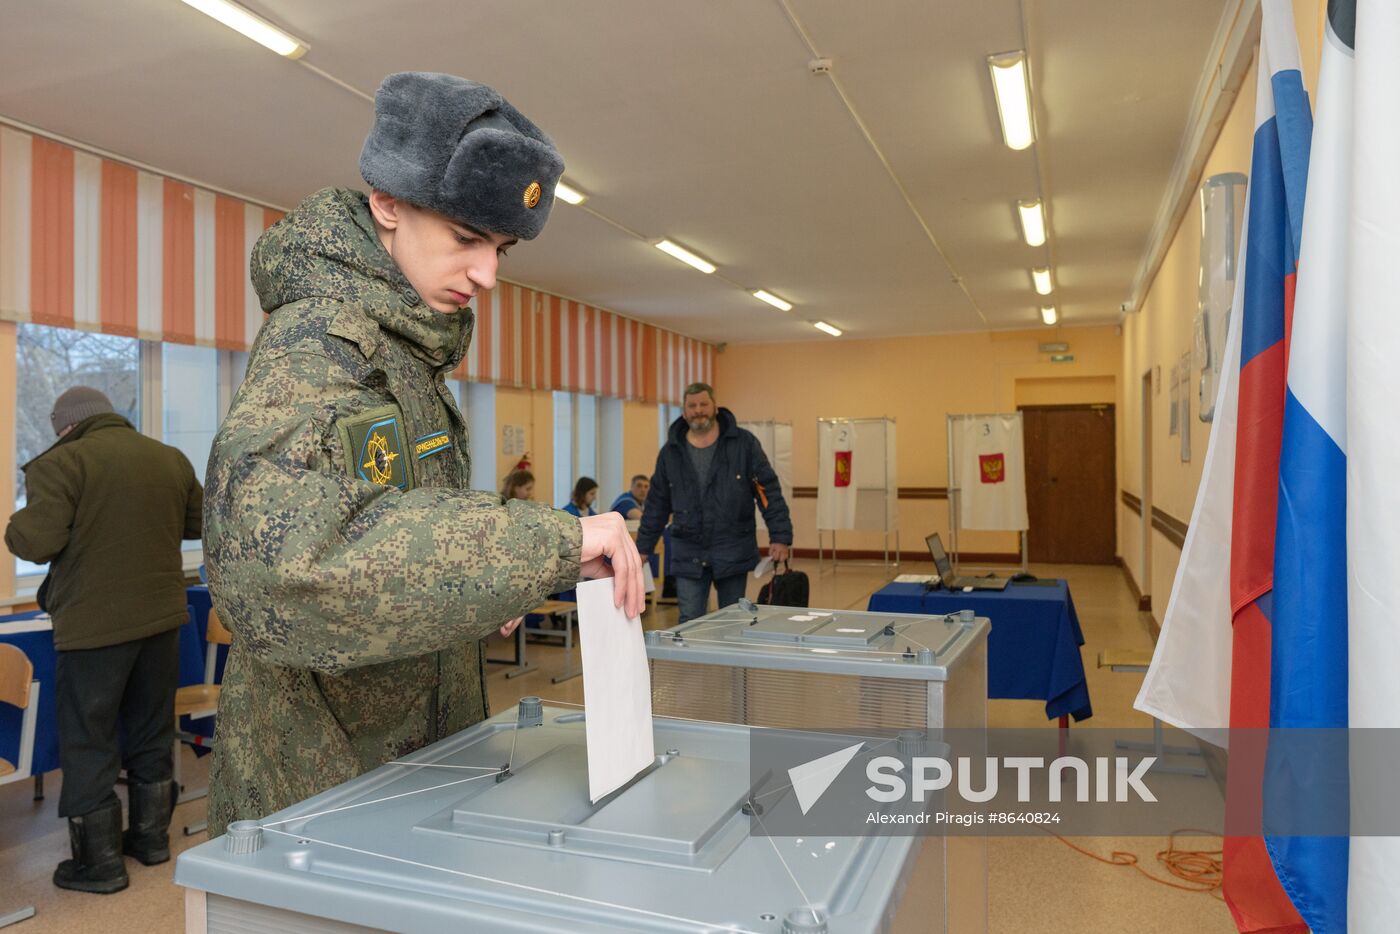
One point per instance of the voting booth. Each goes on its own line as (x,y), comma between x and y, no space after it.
(492,830)
(811,669)
(857,484)
(986,478)
(776,440)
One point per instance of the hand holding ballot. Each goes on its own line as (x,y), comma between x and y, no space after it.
(608,551)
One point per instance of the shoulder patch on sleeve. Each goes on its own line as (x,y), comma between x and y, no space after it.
(374,447)
(431,444)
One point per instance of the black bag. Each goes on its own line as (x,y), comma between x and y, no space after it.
(788,588)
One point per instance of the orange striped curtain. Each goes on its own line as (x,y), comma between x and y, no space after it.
(533,340)
(89,243)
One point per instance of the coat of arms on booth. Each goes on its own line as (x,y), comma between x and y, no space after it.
(993,467)
(843,468)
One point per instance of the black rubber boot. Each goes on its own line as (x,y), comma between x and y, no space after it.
(147,837)
(96,840)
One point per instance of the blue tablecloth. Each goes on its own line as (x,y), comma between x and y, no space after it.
(1033,649)
(42,655)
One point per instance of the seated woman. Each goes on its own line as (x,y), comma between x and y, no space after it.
(520,484)
(581,503)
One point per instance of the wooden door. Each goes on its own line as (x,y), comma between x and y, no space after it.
(1070,483)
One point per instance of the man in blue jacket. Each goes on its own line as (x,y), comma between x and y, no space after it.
(630,503)
(709,475)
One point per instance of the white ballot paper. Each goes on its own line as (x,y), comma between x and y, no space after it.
(616,690)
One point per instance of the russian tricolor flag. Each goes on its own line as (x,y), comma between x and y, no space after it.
(1300,498)
(1309,652)
(1212,666)
(1278,181)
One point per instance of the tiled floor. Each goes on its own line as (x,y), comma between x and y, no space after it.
(1036,884)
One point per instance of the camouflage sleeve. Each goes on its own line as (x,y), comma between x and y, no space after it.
(317,570)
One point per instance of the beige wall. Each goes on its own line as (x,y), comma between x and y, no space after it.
(535,411)
(1070,390)
(640,439)
(1161,332)
(918,381)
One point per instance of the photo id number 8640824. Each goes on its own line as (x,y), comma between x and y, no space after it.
(1023,817)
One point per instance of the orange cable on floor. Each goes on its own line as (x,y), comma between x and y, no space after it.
(1202,869)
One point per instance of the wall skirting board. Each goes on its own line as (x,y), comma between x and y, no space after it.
(905,492)
(1172,528)
(1144,601)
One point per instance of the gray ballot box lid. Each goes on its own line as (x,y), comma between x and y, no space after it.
(444,839)
(842,642)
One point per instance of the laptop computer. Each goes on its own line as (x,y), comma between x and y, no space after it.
(945,570)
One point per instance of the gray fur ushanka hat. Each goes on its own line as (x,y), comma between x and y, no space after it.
(459,148)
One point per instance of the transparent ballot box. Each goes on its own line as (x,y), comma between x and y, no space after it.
(492,829)
(830,670)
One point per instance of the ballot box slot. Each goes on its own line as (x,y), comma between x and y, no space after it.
(682,810)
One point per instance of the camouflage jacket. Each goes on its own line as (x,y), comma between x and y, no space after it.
(344,551)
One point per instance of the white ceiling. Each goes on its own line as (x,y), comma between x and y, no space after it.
(696,121)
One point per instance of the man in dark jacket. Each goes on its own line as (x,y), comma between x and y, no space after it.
(106,509)
(709,475)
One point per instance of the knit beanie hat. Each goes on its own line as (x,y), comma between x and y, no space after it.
(76,404)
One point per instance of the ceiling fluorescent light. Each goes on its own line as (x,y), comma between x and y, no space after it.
(772,299)
(685,256)
(1048,314)
(1041,277)
(251,25)
(1032,221)
(1013,97)
(569,194)
(823,326)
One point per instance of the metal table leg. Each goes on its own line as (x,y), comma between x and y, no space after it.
(570,671)
(521,665)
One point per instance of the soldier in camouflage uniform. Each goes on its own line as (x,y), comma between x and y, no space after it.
(344,549)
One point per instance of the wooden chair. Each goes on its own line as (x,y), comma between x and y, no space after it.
(200,700)
(19,689)
(1139,661)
